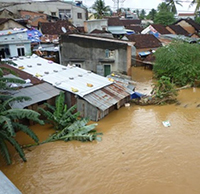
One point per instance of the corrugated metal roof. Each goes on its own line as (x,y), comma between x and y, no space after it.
(63,77)
(117,29)
(38,93)
(6,186)
(107,97)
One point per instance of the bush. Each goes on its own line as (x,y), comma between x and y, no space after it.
(180,61)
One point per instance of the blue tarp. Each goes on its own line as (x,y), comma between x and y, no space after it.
(34,35)
(136,95)
(144,53)
(156,34)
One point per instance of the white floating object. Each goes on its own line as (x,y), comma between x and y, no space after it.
(127,104)
(166,123)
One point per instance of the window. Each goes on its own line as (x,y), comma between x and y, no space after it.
(78,65)
(20,51)
(53,13)
(64,13)
(79,15)
(40,12)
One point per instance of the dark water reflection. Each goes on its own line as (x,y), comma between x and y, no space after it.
(137,154)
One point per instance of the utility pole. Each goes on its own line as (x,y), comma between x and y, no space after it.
(116,4)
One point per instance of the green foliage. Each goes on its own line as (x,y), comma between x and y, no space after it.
(172,5)
(59,116)
(9,126)
(152,14)
(142,14)
(197,2)
(164,89)
(100,9)
(179,61)
(67,122)
(164,17)
(197,20)
(10,119)
(79,130)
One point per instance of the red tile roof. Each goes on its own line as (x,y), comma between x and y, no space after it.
(114,21)
(144,41)
(137,29)
(21,74)
(160,28)
(53,28)
(191,22)
(178,30)
(131,22)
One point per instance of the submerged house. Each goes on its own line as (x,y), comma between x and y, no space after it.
(39,91)
(95,96)
(97,54)
(145,44)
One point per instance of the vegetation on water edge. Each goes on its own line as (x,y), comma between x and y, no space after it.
(10,119)
(67,123)
(180,61)
(163,92)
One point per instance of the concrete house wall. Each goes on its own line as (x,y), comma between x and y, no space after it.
(11,42)
(10,24)
(52,7)
(96,54)
(91,25)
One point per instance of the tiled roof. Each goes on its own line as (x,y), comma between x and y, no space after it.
(178,30)
(52,28)
(129,22)
(144,41)
(3,20)
(160,28)
(194,24)
(114,21)
(21,74)
(191,22)
(49,38)
(137,29)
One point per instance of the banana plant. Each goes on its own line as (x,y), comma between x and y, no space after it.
(67,123)
(59,116)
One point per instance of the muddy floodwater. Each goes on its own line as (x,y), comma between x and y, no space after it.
(137,154)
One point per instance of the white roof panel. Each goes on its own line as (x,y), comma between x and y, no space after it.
(69,78)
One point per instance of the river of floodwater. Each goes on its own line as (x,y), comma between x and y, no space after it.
(137,154)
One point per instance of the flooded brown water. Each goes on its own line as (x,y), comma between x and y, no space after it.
(137,154)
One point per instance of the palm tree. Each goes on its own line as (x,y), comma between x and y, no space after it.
(9,126)
(197,5)
(100,9)
(9,118)
(172,5)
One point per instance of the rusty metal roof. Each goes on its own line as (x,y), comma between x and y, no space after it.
(107,96)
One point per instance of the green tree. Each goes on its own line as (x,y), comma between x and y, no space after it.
(142,14)
(164,18)
(163,7)
(180,61)
(152,14)
(197,20)
(172,5)
(100,9)
(197,2)
(10,118)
